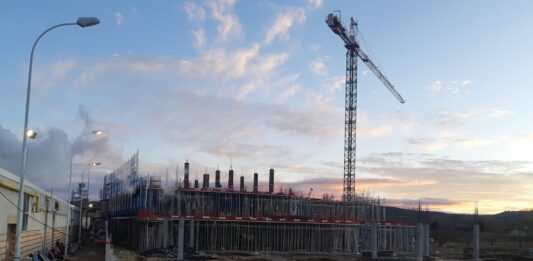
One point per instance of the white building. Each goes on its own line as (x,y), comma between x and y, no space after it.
(44,221)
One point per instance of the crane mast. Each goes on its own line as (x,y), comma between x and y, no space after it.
(350,114)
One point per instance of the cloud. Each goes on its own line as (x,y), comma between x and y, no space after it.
(435,86)
(60,69)
(448,121)
(246,69)
(446,184)
(134,11)
(499,113)
(285,20)
(333,186)
(258,131)
(193,11)
(377,131)
(364,182)
(52,74)
(139,64)
(292,90)
(119,18)
(245,152)
(466,82)
(336,83)
(260,74)
(428,144)
(199,38)
(318,67)
(314,47)
(229,26)
(219,63)
(523,138)
(315,4)
(49,155)
(500,182)
(317,119)
(455,88)
(246,64)
(319,100)
(439,204)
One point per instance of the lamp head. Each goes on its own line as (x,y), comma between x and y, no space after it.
(95,163)
(97,132)
(87,21)
(31,134)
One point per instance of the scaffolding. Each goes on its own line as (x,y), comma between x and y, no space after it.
(223,219)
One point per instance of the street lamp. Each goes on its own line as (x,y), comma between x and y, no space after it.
(83,22)
(87,21)
(91,164)
(31,134)
(96,133)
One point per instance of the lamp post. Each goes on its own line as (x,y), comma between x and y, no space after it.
(94,132)
(29,134)
(82,184)
(83,22)
(92,164)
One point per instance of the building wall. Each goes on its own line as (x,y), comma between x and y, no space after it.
(46,225)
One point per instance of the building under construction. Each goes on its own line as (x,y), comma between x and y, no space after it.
(217,216)
(231,217)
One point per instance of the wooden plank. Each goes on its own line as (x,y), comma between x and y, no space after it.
(30,237)
(32,245)
(23,241)
(31,232)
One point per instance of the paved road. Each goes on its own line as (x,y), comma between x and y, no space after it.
(91,251)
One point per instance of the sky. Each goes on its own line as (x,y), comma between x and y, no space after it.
(260,84)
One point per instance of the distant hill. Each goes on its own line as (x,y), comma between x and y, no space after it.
(502,223)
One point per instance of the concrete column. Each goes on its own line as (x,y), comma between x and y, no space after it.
(356,248)
(217,179)
(475,243)
(426,240)
(419,241)
(181,233)
(271,181)
(400,243)
(374,240)
(191,233)
(197,231)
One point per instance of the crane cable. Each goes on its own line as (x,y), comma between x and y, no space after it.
(371,53)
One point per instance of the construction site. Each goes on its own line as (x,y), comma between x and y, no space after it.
(197,217)
(214,217)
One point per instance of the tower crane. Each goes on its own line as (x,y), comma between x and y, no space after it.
(353,51)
